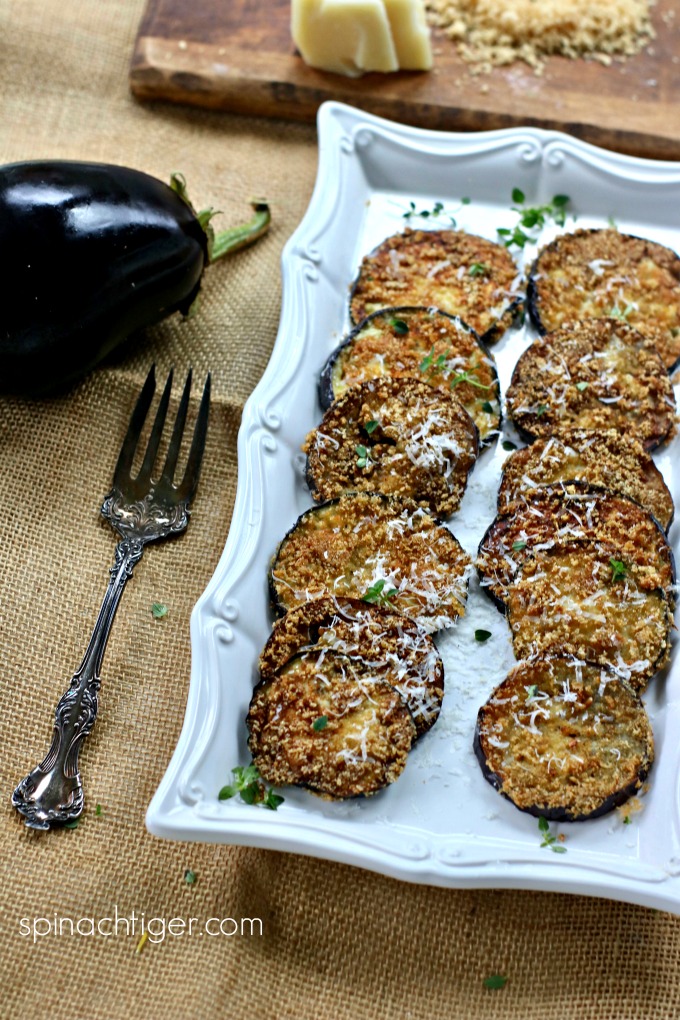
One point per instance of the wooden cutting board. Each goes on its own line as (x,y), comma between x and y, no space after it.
(237,55)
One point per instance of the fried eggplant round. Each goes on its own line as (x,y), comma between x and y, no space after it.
(564,740)
(574,513)
(459,273)
(603,273)
(387,643)
(592,374)
(606,459)
(419,343)
(326,724)
(580,600)
(376,548)
(397,436)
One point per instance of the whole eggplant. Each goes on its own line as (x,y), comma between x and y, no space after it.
(90,253)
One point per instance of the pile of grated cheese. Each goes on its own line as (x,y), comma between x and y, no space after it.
(496,32)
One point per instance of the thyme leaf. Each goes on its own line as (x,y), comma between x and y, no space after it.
(468,377)
(376,594)
(619,569)
(495,982)
(250,787)
(549,840)
(436,212)
(532,218)
(399,326)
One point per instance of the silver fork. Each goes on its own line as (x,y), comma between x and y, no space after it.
(141,510)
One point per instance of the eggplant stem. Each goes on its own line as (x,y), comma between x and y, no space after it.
(234,238)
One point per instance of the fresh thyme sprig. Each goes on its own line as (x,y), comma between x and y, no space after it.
(376,594)
(468,377)
(435,212)
(252,790)
(548,838)
(532,219)
(430,363)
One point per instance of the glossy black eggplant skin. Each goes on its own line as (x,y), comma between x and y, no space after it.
(89,253)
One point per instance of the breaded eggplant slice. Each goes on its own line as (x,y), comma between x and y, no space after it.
(580,600)
(592,374)
(459,273)
(606,459)
(324,723)
(389,644)
(600,273)
(574,513)
(564,740)
(376,548)
(419,343)
(397,436)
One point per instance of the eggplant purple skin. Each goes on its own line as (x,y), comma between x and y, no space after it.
(277,608)
(90,253)
(583,487)
(533,303)
(325,385)
(557,814)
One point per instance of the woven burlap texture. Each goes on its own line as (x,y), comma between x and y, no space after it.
(337,942)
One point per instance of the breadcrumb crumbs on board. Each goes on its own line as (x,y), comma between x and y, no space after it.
(492,33)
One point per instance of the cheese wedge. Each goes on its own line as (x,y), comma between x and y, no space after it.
(353,36)
(345,36)
(410,34)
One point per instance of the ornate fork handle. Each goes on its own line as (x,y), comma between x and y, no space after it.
(52,793)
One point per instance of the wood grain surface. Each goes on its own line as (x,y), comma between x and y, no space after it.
(238,56)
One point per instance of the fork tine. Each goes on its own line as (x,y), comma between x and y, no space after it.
(177,433)
(193,468)
(127,452)
(156,433)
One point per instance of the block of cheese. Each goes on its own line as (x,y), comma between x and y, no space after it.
(345,36)
(353,36)
(410,34)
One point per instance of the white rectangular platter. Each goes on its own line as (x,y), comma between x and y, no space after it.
(441,823)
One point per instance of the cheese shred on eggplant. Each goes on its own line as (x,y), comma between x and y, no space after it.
(386,643)
(607,459)
(573,513)
(434,268)
(424,344)
(322,723)
(598,273)
(593,374)
(582,601)
(397,436)
(376,548)
(564,740)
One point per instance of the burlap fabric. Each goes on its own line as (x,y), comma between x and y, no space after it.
(337,942)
